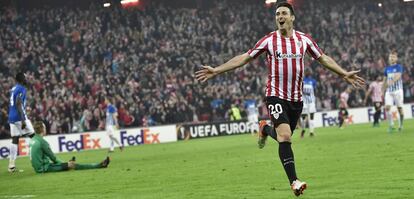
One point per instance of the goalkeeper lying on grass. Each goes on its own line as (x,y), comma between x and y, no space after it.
(43,160)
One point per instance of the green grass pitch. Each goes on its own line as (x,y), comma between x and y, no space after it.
(356,162)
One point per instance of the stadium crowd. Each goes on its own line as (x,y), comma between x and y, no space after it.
(146,59)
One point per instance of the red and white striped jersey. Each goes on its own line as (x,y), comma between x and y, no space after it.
(343,100)
(376,89)
(285,61)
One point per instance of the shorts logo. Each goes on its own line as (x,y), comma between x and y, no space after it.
(275,110)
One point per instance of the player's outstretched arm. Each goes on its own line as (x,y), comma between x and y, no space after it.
(351,76)
(208,72)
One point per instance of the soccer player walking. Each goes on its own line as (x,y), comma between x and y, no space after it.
(394,90)
(285,50)
(309,103)
(375,90)
(112,124)
(20,124)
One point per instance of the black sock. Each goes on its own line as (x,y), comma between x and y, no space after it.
(287,159)
(270,131)
(376,117)
(341,121)
(401,119)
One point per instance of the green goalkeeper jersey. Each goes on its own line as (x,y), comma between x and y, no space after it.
(40,154)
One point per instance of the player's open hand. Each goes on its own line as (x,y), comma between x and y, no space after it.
(206,73)
(355,80)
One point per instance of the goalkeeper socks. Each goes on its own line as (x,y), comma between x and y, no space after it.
(287,159)
(270,131)
(88,166)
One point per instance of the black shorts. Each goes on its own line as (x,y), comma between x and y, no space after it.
(343,112)
(377,105)
(282,111)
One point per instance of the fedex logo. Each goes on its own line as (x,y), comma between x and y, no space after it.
(331,121)
(4,152)
(144,136)
(23,149)
(328,121)
(84,142)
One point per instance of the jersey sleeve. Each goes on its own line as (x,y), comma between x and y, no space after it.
(385,71)
(48,152)
(261,46)
(313,48)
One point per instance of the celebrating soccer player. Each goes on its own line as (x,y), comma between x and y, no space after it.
(43,160)
(394,90)
(285,50)
(20,124)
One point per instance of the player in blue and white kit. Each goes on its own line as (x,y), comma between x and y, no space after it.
(393,87)
(112,124)
(252,114)
(309,103)
(20,125)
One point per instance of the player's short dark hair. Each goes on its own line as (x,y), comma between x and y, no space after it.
(286,4)
(20,77)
